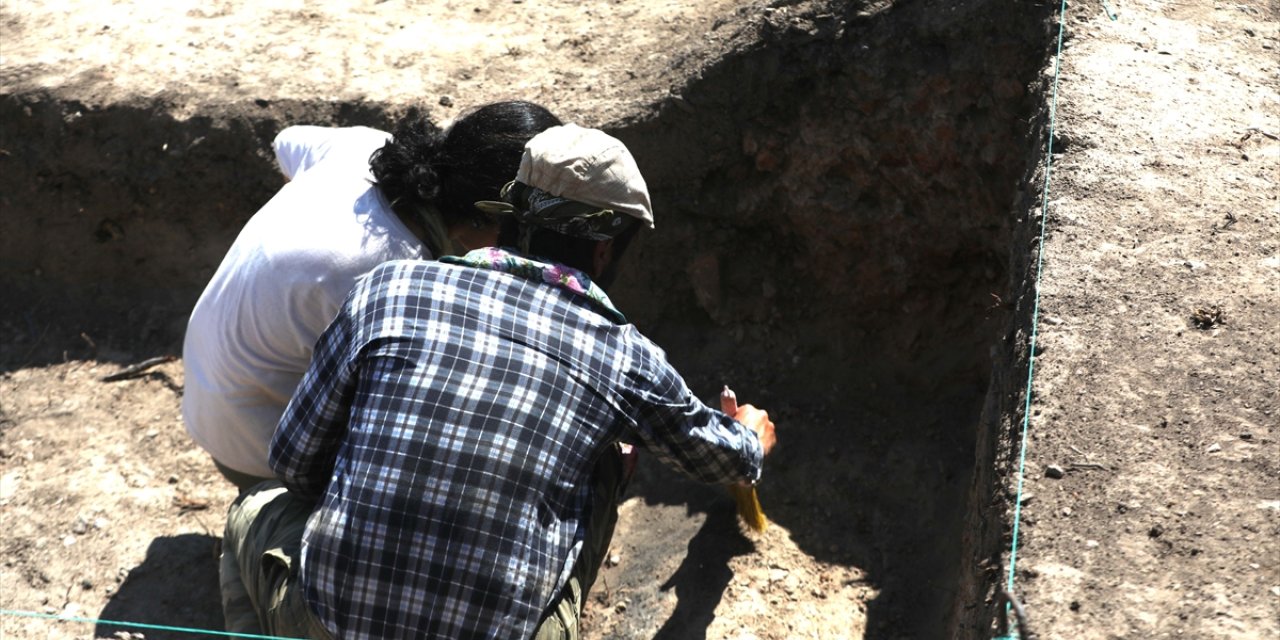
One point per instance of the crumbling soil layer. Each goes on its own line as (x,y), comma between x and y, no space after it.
(849,198)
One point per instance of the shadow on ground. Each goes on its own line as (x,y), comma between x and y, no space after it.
(873,483)
(175,586)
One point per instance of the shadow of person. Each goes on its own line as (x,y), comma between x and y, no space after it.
(703,575)
(175,586)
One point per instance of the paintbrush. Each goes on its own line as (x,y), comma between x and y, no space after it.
(745,495)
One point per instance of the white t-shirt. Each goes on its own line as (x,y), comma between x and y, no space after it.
(251,334)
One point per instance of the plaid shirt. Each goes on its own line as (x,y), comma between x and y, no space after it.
(448,427)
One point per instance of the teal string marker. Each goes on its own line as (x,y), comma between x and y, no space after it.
(1035,318)
(137,625)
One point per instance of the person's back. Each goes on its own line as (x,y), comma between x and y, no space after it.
(251,333)
(460,485)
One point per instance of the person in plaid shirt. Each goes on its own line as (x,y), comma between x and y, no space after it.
(453,449)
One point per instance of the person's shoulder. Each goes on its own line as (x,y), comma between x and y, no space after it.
(645,352)
(314,135)
(298,148)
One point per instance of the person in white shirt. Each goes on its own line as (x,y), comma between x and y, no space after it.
(356,197)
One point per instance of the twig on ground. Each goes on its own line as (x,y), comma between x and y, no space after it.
(1252,130)
(93,346)
(188,505)
(135,370)
(1089,465)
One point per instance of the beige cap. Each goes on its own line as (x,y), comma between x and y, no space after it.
(587,166)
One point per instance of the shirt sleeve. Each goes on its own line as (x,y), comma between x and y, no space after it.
(683,432)
(306,441)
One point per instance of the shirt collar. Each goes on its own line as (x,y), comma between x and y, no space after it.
(535,269)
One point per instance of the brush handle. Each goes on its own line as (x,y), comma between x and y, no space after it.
(729,401)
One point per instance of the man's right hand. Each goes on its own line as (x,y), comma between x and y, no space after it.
(755,419)
(758,421)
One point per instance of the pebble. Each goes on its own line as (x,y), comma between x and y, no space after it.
(1214,448)
(614,560)
(1054,471)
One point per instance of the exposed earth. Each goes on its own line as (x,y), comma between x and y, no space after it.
(849,198)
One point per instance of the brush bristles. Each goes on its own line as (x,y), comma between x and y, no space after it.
(749,507)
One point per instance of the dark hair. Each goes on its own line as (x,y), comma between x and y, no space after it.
(424,168)
(578,253)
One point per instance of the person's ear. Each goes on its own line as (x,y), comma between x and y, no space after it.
(602,257)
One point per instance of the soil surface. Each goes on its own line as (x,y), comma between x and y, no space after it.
(1156,375)
(1157,389)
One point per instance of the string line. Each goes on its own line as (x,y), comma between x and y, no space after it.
(139,625)
(1035,317)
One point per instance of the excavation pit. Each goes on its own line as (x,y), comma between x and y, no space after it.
(842,209)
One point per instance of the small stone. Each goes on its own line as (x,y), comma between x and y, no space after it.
(446,101)
(1091,543)
(1066,511)
(614,559)
(173,479)
(1155,531)
(1214,448)
(1246,436)
(86,584)
(79,526)
(620,607)
(1054,471)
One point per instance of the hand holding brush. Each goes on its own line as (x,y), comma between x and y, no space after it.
(759,422)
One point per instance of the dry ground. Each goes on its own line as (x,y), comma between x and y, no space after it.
(1157,387)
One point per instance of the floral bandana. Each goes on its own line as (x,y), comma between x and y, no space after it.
(550,273)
